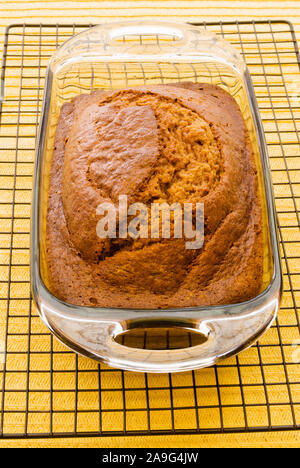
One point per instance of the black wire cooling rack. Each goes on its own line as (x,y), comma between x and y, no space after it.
(47,390)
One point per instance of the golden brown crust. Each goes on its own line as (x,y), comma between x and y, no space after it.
(167,143)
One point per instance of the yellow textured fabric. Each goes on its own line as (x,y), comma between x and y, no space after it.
(69,389)
(252,440)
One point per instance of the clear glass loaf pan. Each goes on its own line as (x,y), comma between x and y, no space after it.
(125,54)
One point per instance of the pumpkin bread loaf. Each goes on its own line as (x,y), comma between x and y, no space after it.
(178,143)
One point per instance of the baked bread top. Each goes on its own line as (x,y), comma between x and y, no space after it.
(179,143)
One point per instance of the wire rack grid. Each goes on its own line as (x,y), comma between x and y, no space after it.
(47,390)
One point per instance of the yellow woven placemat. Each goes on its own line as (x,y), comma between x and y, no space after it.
(43,391)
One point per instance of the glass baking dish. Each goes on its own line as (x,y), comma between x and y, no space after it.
(115,56)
